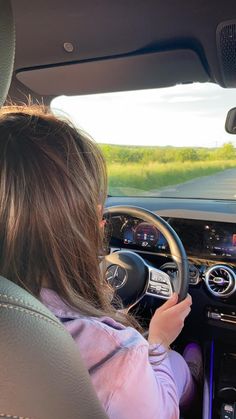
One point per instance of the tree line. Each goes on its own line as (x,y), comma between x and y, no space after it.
(136,154)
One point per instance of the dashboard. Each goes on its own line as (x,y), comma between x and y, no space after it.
(207,228)
(201,239)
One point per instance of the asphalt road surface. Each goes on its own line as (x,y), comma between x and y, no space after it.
(221,185)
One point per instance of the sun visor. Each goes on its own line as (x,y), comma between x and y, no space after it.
(159,69)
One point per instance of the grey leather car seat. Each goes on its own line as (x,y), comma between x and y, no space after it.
(42,375)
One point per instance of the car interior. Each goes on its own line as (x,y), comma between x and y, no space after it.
(155,243)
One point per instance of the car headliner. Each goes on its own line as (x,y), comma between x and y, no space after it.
(103,29)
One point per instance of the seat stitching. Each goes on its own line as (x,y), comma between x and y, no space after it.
(3,415)
(30,313)
(20,300)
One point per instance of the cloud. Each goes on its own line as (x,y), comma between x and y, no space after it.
(183,115)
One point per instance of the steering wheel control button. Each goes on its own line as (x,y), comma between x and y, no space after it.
(155,286)
(154,290)
(164,288)
(165,292)
(158,277)
(159,284)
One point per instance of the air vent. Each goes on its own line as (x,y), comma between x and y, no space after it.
(220,280)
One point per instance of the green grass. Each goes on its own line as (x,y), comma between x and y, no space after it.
(135,178)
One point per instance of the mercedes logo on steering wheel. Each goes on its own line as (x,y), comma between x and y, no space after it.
(116,276)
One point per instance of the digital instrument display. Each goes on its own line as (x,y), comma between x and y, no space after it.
(202,239)
(144,235)
(139,234)
(220,241)
(206,238)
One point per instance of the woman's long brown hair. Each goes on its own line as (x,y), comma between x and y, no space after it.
(52,181)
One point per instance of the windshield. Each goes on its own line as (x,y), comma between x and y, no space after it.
(167,142)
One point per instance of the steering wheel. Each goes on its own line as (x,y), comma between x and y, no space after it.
(132,277)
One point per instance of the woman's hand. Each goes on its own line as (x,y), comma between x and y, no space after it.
(168,320)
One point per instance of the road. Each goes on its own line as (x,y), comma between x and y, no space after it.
(221,185)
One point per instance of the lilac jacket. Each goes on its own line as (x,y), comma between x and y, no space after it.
(117,358)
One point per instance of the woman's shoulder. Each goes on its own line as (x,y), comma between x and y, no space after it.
(106,330)
(107,347)
(87,328)
(98,339)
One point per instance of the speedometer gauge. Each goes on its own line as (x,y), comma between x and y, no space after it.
(146,235)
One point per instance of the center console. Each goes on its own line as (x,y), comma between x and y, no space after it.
(219,400)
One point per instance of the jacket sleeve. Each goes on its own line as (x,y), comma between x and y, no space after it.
(143,390)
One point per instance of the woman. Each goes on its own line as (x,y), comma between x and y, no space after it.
(52,191)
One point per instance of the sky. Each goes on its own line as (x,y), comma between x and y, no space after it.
(184,115)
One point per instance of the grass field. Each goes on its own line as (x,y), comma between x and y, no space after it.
(138,178)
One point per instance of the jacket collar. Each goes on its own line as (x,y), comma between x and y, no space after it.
(56,305)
